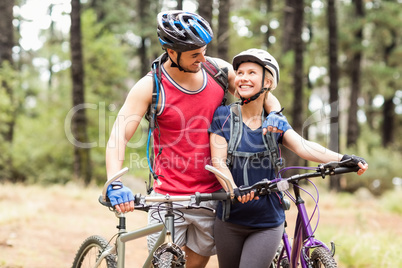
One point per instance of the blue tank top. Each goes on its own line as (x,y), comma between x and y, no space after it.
(267,211)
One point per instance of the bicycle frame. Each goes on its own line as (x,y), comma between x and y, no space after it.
(166,227)
(296,254)
(303,236)
(125,236)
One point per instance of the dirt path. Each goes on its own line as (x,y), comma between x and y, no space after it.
(43,227)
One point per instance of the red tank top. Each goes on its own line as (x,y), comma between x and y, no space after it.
(183,120)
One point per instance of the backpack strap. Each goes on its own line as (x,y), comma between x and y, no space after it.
(236,132)
(220,75)
(151,116)
(273,148)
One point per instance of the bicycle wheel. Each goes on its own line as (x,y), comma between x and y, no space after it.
(276,263)
(168,255)
(284,263)
(165,260)
(321,257)
(89,252)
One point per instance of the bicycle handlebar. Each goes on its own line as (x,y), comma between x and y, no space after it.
(141,201)
(266,187)
(115,177)
(262,187)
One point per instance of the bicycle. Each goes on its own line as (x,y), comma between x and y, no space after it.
(96,251)
(306,250)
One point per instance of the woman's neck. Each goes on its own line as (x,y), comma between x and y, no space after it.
(251,113)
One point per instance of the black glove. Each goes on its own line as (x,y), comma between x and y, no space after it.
(351,161)
(237,193)
(240,193)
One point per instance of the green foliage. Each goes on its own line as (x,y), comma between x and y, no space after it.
(42,150)
(354,248)
(391,201)
(9,103)
(383,165)
(106,73)
(357,228)
(7,106)
(111,36)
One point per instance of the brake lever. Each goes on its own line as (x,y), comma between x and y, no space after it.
(330,166)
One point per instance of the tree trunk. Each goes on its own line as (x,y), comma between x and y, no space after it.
(223,30)
(82,168)
(205,8)
(270,32)
(143,6)
(288,30)
(388,127)
(6,45)
(353,124)
(298,48)
(6,125)
(180,4)
(335,183)
(388,123)
(6,30)
(297,8)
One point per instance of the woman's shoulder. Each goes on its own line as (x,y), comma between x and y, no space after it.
(222,110)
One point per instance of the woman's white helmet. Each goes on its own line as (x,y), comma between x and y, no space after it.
(261,57)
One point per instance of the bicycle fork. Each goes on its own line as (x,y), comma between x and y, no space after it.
(304,239)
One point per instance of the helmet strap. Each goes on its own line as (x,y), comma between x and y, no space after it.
(254,97)
(176,65)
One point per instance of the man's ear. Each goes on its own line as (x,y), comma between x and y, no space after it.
(171,52)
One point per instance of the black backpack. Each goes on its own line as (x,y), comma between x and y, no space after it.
(220,75)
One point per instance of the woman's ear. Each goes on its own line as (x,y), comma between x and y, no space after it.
(268,83)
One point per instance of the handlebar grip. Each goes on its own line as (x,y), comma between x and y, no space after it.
(105,203)
(212,196)
(341,170)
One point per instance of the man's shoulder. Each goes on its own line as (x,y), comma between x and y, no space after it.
(143,88)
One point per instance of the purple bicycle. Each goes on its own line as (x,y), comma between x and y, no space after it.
(306,251)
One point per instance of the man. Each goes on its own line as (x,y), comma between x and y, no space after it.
(186,104)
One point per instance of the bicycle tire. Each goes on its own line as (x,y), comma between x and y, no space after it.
(168,260)
(165,260)
(321,257)
(284,263)
(276,263)
(89,252)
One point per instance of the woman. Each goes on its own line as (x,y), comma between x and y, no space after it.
(251,234)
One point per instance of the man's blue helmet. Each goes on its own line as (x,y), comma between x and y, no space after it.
(183,31)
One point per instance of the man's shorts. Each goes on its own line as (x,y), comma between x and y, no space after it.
(194,229)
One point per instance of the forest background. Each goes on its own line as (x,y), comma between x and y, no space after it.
(66,67)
